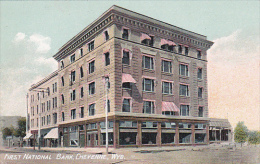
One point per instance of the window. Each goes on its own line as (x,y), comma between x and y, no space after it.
(91,46)
(108,82)
(200,111)
(125,34)
(167,87)
(108,105)
(81,52)
(72,76)
(72,58)
(42,94)
(73,114)
(199,54)
(38,96)
(54,118)
(184,110)
(184,90)
(53,103)
(73,95)
(126,85)
(147,40)
(200,92)
(126,105)
(81,92)
(81,72)
(62,99)
(91,110)
(148,107)
(106,35)
(62,81)
(168,113)
(167,47)
(55,87)
(186,51)
(55,99)
(61,65)
(199,73)
(37,122)
(148,85)
(180,49)
(184,71)
(92,88)
(92,126)
(81,112)
(37,109)
(166,66)
(107,59)
(47,105)
(126,57)
(48,91)
(149,124)
(128,124)
(62,116)
(91,67)
(148,62)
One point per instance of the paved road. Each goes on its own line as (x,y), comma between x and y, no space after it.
(204,154)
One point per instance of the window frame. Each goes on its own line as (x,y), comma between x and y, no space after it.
(124,51)
(91,45)
(90,89)
(91,113)
(91,68)
(125,35)
(187,109)
(152,106)
(144,84)
(170,87)
(107,58)
(163,68)
(200,92)
(199,109)
(151,62)
(187,93)
(72,58)
(199,73)
(130,104)
(186,69)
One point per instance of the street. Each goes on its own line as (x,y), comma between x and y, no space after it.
(214,154)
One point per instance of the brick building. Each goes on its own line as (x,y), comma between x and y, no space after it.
(157,92)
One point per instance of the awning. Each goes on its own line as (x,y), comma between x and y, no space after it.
(28,135)
(169,106)
(170,43)
(127,78)
(145,36)
(53,133)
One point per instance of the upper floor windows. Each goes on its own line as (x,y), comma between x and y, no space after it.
(81,92)
(91,46)
(166,66)
(107,59)
(62,99)
(184,71)
(147,39)
(148,107)
(54,87)
(72,58)
(148,85)
(148,62)
(199,73)
(73,114)
(62,81)
(91,67)
(81,72)
(73,76)
(106,35)
(179,49)
(126,105)
(92,88)
(82,112)
(125,34)
(167,87)
(61,65)
(184,90)
(199,54)
(91,110)
(73,95)
(81,52)
(200,114)
(167,45)
(200,89)
(126,57)
(184,110)
(186,50)
(62,116)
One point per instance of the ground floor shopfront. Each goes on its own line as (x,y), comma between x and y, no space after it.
(124,131)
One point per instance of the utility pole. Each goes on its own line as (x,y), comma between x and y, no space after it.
(106,88)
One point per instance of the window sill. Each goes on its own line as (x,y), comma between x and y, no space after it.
(200,80)
(148,70)
(149,92)
(184,77)
(126,89)
(167,73)
(167,94)
(182,96)
(126,65)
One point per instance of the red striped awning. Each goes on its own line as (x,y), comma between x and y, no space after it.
(127,78)
(145,36)
(169,106)
(170,43)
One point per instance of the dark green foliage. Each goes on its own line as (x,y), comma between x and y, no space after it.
(241,133)
(254,137)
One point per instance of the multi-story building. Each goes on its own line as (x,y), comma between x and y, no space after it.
(157,92)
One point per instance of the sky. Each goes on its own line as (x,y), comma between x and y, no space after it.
(32,32)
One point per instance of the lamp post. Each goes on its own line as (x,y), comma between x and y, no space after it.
(41,90)
(106,88)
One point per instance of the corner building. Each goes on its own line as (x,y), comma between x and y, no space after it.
(157,92)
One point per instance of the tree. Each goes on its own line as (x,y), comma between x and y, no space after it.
(254,137)
(21,130)
(241,133)
(8,131)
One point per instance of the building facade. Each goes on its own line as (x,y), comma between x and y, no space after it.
(157,92)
